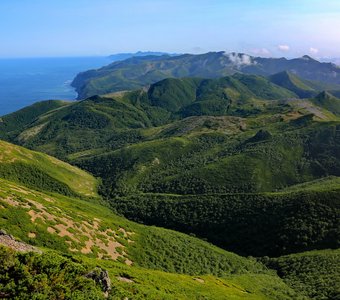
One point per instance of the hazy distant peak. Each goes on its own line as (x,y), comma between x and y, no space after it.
(324,95)
(307,57)
(123,56)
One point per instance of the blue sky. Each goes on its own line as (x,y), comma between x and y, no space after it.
(102,27)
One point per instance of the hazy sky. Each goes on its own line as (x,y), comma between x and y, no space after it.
(102,27)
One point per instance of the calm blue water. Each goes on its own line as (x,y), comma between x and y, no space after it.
(27,80)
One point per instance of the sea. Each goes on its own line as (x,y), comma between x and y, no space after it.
(24,81)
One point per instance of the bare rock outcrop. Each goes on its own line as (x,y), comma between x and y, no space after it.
(9,241)
(101,277)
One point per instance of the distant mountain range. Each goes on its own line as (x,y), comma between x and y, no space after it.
(334,60)
(123,56)
(139,71)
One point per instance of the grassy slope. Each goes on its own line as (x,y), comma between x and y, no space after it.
(43,278)
(19,119)
(293,83)
(38,170)
(328,101)
(30,215)
(152,246)
(319,185)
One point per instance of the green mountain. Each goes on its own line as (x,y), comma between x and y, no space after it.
(293,83)
(175,139)
(138,72)
(328,101)
(237,161)
(77,236)
(118,119)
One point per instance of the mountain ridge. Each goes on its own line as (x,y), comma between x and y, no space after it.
(137,72)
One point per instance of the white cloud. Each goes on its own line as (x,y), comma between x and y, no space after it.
(238,60)
(260,51)
(313,50)
(283,48)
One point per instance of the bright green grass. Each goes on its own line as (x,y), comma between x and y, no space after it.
(149,249)
(77,180)
(152,247)
(51,276)
(323,184)
(151,284)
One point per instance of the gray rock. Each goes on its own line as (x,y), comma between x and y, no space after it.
(101,277)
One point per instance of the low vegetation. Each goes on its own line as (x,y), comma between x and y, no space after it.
(90,235)
(48,276)
(52,276)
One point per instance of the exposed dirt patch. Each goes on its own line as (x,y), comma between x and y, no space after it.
(291,116)
(125,279)
(21,190)
(200,280)
(66,227)
(82,234)
(62,231)
(88,247)
(11,201)
(32,235)
(125,233)
(309,107)
(31,132)
(51,230)
(48,199)
(227,124)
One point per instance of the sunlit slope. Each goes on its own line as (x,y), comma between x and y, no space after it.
(38,170)
(11,123)
(96,236)
(78,226)
(52,276)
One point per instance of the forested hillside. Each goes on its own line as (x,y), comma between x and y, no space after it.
(74,237)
